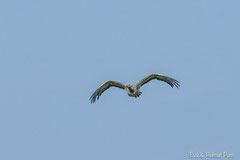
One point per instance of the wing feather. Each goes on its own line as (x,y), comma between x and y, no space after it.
(104,87)
(172,82)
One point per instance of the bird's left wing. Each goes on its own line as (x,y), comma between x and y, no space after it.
(172,82)
(104,87)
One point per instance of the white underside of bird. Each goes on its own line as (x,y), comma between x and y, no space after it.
(133,90)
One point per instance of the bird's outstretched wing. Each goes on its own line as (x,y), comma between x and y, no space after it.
(104,87)
(172,82)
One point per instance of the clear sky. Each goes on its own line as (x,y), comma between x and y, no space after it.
(55,53)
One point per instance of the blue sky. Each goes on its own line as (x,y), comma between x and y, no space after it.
(54,54)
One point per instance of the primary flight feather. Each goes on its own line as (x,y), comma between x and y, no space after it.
(133,90)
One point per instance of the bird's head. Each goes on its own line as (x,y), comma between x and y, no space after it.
(128,86)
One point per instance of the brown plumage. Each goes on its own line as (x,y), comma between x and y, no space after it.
(133,90)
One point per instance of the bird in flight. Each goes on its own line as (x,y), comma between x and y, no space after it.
(133,90)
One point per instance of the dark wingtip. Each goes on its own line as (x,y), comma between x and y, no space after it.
(92,99)
(177,84)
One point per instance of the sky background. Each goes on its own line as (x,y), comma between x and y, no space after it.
(55,54)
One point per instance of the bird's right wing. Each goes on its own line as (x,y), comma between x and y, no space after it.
(172,82)
(104,87)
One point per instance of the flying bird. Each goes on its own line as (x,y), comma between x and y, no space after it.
(133,90)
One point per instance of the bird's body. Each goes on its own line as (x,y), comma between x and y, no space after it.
(132,90)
